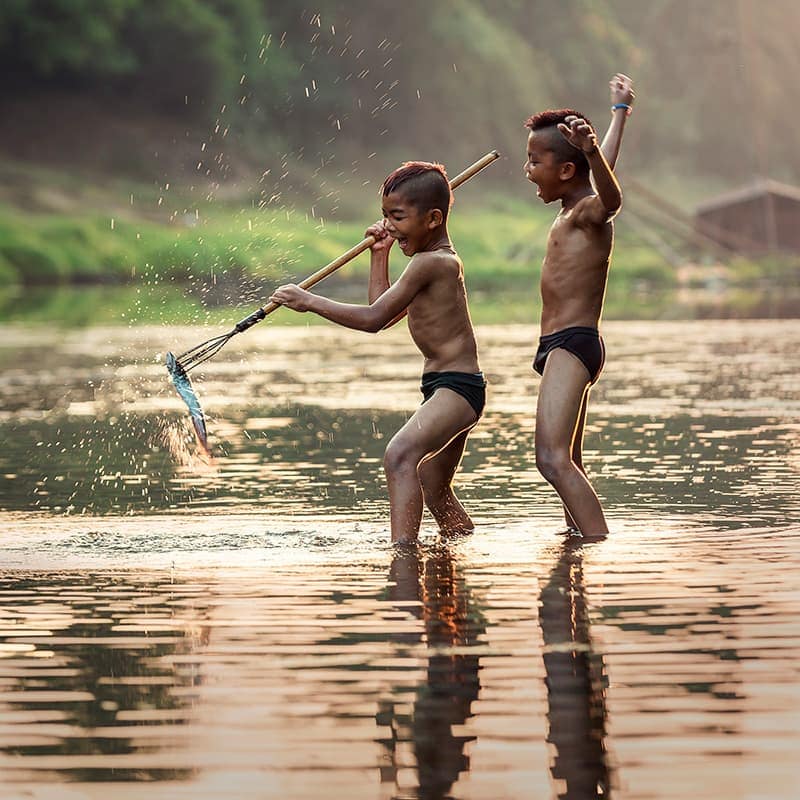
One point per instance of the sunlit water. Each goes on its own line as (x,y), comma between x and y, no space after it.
(240,627)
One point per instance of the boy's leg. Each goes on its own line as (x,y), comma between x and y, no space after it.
(436,477)
(577,450)
(564,384)
(433,426)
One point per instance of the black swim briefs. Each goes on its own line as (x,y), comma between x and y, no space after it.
(586,344)
(470,385)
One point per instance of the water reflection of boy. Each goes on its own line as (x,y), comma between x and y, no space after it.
(563,160)
(575,681)
(444,701)
(422,457)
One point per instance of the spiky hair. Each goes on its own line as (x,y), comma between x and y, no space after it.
(423,184)
(547,122)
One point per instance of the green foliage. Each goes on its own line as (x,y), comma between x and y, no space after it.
(501,241)
(446,79)
(41,249)
(9,276)
(79,36)
(779,271)
(26,255)
(172,54)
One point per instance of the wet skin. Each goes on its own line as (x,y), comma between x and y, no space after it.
(423,456)
(575,266)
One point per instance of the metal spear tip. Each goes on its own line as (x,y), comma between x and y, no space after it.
(184,388)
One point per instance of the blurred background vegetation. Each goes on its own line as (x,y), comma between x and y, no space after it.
(210,148)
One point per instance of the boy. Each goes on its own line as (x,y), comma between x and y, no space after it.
(563,161)
(423,455)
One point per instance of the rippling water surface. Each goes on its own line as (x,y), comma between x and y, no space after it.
(238,626)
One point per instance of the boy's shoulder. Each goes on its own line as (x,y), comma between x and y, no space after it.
(588,212)
(433,273)
(440,260)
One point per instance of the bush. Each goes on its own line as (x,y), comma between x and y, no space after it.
(8,273)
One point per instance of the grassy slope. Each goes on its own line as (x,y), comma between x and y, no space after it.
(168,254)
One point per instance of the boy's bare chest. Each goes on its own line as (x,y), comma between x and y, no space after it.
(440,305)
(571,245)
(439,298)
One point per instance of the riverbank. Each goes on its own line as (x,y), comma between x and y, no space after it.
(175,304)
(77,252)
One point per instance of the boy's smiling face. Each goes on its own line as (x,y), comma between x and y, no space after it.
(542,168)
(411,227)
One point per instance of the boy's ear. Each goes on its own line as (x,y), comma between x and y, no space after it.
(567,170)
(435,218)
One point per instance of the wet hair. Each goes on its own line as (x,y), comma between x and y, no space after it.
(547,122)
(423,184)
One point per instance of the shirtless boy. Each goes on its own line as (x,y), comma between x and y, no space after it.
(564,161)
(422,457)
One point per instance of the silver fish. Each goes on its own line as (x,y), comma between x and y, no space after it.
(184,387)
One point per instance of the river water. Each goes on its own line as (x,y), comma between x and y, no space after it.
(239,626)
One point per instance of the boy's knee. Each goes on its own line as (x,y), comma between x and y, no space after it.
(399,456)
(552,463)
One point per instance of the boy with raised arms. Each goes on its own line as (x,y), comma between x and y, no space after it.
(567,165)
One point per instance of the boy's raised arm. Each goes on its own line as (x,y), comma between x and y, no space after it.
(622,97)
(608,189)
(579,133)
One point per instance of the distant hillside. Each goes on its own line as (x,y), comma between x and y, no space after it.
(211,89)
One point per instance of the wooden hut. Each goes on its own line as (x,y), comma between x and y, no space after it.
(761,217)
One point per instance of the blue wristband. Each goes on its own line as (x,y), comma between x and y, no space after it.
(628,109)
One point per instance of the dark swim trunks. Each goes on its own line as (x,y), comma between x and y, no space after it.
(470,385)
(586,344)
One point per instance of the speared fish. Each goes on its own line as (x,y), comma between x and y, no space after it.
(187,393)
